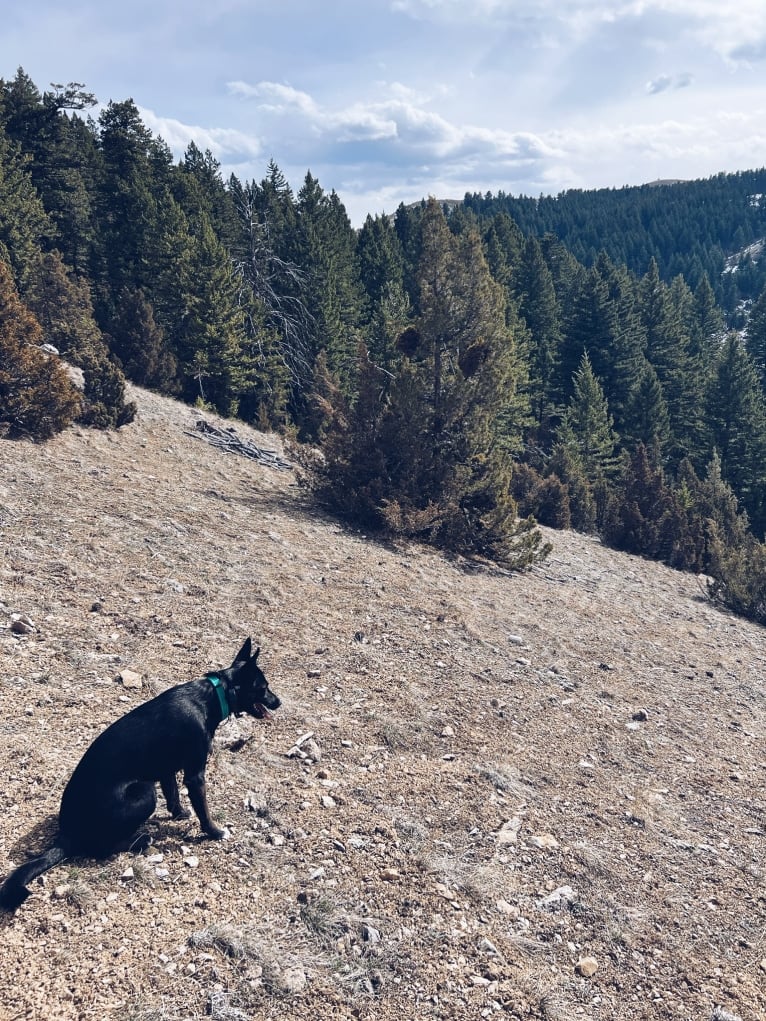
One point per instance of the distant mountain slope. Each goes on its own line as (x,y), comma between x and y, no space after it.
(536,796)
(688,227)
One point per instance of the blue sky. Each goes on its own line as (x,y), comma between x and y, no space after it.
(392,100)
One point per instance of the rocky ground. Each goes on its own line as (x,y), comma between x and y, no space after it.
(529,796)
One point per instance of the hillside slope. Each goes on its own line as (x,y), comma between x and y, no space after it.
(531,796)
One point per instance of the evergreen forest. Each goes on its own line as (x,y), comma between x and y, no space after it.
(456,371)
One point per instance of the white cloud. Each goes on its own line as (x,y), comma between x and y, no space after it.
(226,144)
(417,134)
(274,97)
(735,31)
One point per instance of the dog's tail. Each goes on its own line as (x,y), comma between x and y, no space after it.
(14,890)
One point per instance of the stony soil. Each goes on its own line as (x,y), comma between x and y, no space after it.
(529,796)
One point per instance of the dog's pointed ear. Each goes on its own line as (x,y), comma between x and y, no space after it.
(255,654)
(244,653)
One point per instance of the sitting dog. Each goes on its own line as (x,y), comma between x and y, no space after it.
(111,793)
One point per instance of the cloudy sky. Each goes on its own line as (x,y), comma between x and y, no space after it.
(392,100)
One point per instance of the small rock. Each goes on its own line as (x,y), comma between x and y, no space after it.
(21,624)
(562,894)
(276,839)
(192,861)
(370,934)
(509,831)
(293,980)
(328,802)
(488,947)
(545,842)
(390,875)
(445,892)
(255,803)
(448,732)
(130,679)
(312,750)
(507,909)
(640,716)
(515,639)
(60,892)
(587,966)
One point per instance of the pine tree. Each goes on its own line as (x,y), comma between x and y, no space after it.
(538,308)
(61,158)
(200,191)
(326,253)
(755,337)
(126,206)
(381,262)
(644,516)
(707,328)
(587,425)
(646,417)
(591,325)
(25,228)
(736,417)
(424,450)
(453,397)
(265,397)
(140,344)
(212,352)
(667,350)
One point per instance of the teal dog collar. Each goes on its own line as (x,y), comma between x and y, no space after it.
(221,693)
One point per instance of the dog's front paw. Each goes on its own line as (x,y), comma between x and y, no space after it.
(215,833)
(181,813)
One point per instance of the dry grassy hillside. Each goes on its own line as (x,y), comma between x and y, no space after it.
(536,796)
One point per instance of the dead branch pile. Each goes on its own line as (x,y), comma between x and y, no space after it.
(228,441)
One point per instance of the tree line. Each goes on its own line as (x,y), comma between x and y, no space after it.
(454,371)
(690,228)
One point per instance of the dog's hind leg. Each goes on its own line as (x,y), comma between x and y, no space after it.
(113,822)
(169,785)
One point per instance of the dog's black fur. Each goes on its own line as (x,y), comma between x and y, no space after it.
(111,793)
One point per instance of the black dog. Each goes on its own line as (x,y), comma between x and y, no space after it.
(111,793)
